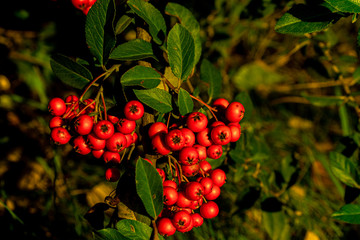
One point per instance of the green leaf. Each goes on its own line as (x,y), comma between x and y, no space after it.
(122,24)
(134,229)
(152,16)
(323,101)
(187,19)
(185,102)
(70,72)
(149,187)
(109,234)
(349,213)
(133,50)
(99,29)
(156,98)
(146,77)
(210,74)
(253,75)
(301,19)
(344,169)
(181,51)
(350,6)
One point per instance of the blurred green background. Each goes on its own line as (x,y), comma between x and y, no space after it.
(280,185)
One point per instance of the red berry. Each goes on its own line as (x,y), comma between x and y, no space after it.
(125,126)
(204,137)
(205,166)
(190,171)
(196,121)
(209,210)
(80,4)
(181,220)
(161,173)
(94,142)
(116,143)
(235,131)
(207,183)
(81,146)
(112,119)
(214,151)
(175,140)
(57,107)
(198,220)
(165,227)
(113,157)
(56,121)
(98,153)
(194,191)
(83,124)
(170,196)
(221,135)
(201,151)
(156,128)
(218,177)
(234,112)
(214,193)
(134,110)
(189,137)
(71,99)
(188,156)
(103,129)
(221,104)
(60,135)
(182,201)
(159,145)
(112,174)
(170,183)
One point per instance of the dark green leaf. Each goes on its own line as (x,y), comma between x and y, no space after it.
(156,98)
(344,169)
(109,234)
(134,229)
(187,19)
(99,29)
(70,72)
(149,187)
(185,102)
(152,17)
(181,51)
(141,76)
(132,50)
(349,213)
(210,74)
(122,24)
(350,6)
(301,19)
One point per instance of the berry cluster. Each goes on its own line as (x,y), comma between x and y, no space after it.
(182,200)
(72,123)
(189,142)
(83,5)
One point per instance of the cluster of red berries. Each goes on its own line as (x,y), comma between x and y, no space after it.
(105,139)
(194,138)
(182,200)
(191,141)
(83,5)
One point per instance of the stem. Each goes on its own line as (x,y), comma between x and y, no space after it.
(104,105)
(206,105)
(92,83)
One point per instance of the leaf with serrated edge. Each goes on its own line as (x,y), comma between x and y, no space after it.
(181,50)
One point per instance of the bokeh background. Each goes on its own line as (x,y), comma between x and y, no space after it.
(280,184)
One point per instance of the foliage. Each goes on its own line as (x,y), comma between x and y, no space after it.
(293,66)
